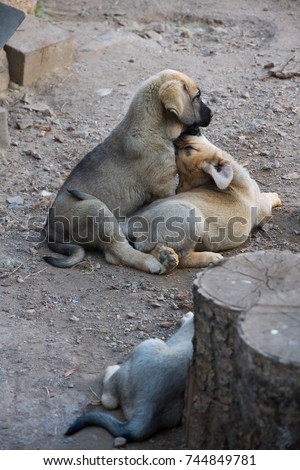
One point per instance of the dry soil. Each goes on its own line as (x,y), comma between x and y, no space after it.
(59,329)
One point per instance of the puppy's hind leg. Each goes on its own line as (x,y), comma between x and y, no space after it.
(108,236)
(202,259)
(273,198)
(109,397)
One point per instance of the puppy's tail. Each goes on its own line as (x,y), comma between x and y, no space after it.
(117,428)
(75,254)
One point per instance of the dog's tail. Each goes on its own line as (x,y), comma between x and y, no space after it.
(131,430)
(75,254)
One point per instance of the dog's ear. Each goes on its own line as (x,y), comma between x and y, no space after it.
(173,97)
(222,172)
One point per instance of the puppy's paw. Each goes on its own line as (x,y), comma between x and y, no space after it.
(167,257)
(186,317)
(275,199)
(213,258)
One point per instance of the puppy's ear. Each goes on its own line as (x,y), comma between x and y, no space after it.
(172,97)
(222,173)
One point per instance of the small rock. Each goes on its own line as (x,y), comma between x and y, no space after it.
(59,138)
(185,33)
(41,108)
(15,200)
(120,441)
(24,124)
(131,315)
(82,133)
(269,65)
(282,133)
(33,153)
(74,318)
(155,304)
(245,95)
(291,176)
(104,91)
(30,310)
(45,193)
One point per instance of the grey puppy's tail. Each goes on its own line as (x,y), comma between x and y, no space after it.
(110,423)
(75,254)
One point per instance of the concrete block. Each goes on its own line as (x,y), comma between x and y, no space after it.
(4,73)
(4,135)
(36,48)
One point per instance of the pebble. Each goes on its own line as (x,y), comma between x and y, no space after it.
(104,91)
(59,138)
(33,153)
(291,176)
(120,441)
(185,33)
(131,315)
(74,318)
(15,200)
(160,297)
(42,108)
(30,310)
(45,193)
(155,304)
(82,133)
(24,124)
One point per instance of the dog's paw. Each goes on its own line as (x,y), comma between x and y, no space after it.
(213,258)
(186,317)
(167,257)
(274,198)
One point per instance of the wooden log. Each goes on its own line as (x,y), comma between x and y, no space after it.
(243,389)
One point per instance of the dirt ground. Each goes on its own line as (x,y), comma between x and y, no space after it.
(60,328)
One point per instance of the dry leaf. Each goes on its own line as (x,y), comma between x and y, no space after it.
(71,371)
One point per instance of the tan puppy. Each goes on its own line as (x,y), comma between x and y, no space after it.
(134,165)
(216,207)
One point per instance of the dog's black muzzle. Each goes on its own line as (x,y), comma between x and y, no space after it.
(205,115)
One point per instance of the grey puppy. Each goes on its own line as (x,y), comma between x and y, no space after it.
(149,386)
(134,165)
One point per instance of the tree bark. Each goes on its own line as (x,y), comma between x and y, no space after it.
(243,389)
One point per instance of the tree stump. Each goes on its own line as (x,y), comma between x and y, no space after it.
(243,389)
